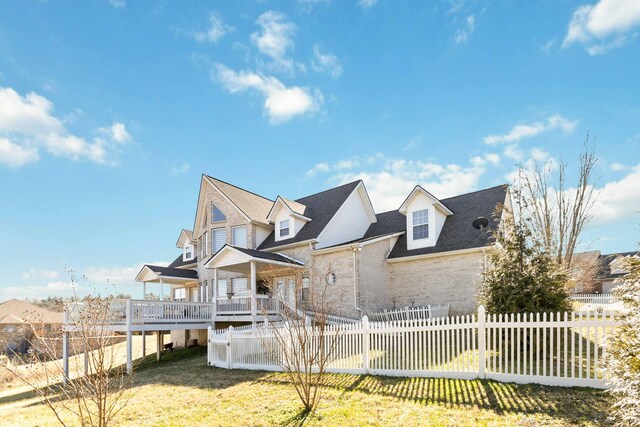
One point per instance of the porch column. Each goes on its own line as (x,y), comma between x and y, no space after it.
(144,290)
(215,293)
(161,290)
(254,293)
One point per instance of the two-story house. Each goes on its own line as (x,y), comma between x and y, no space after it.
(243,247)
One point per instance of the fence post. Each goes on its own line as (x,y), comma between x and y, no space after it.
(209,346)
(365,344)
(482,347)
(229,348)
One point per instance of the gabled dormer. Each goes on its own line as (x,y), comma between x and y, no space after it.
(187,244)
(425,216)
(288,218)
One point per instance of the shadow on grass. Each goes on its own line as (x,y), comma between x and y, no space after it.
(188,367)
(576,405)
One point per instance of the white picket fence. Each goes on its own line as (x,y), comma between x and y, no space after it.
(410,313)
(555,349)
(595,302)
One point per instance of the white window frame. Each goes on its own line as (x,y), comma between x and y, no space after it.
(421,221)
(205,240)
(213,239)
(280,228)
(214,208)
(183,293)
(244,244)
(188,253)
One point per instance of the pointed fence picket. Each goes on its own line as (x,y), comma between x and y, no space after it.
(565,349)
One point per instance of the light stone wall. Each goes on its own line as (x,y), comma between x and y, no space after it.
(452,279)
(234,218)
(374,280)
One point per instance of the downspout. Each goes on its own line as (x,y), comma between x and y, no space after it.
(355,250)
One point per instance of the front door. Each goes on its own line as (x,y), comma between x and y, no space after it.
(285,290)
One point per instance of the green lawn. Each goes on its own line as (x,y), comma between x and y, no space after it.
(183,391)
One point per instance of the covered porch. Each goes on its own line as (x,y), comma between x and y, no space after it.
(249,295)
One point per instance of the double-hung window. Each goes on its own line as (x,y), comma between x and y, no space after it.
(421,224)
(218,239)
(239,236)
(306,280)
(284,228)
(179,294)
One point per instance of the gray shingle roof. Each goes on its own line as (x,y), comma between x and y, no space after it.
(253,205)
(457,232)
(173,272)
(268,255)
(178,262)
(320,207)
(604,261)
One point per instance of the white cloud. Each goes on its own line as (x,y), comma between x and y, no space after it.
(27,125)
(178,170)
(118,133)
(118,4)
(319,167)
(618,200)
(40,274)
(463,33)
(605,19)
(275,40)
(618,167)
(15,156)
(325,62)
(546,48)
(366,4)
(281,103)
(392,179)
(522,131)
(217,29)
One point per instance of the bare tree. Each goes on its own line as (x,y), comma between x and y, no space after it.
(557,213)
(93,394)
(303,342)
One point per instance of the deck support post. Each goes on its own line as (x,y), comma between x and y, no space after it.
(144,344)
(254,294)
(215,294)
(129,352)
(86,360)
(65,348)
(159,346)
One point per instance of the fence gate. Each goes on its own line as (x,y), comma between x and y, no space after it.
(219,349)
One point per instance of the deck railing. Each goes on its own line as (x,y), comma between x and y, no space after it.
(595,302)
(145,311)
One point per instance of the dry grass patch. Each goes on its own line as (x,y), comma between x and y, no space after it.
(183,391)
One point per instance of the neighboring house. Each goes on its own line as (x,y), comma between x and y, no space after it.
(593,272)
(20,321)
(242,245)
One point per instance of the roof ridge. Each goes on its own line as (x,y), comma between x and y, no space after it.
(476,191)
(328,189)
(239,188)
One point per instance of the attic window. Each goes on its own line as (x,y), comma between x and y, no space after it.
(284,228)
(188,252)
(421,224)
(216,214)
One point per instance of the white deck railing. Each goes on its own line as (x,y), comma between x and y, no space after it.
(595,302)
(555,349)
(145,311)
(411,313)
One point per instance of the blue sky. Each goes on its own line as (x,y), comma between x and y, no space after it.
(110,111)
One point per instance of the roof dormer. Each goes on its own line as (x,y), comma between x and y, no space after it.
(187,244)
(425,216)
(288,218)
